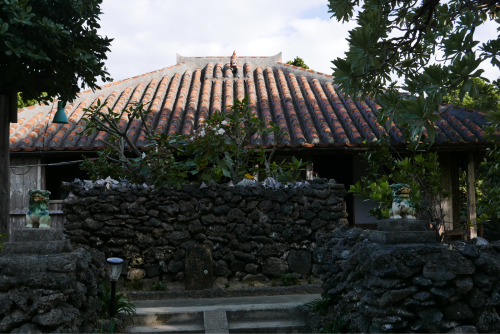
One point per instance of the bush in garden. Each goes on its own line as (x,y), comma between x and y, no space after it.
(224,148)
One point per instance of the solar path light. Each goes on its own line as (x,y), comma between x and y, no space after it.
(114,271)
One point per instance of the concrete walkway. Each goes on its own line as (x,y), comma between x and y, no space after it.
(264,314)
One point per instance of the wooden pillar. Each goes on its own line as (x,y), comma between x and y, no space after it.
(4,165)
(448,164)
(309,171)
(471,195)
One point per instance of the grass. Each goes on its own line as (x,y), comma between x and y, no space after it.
(227,285)
(159,286)
(251,283)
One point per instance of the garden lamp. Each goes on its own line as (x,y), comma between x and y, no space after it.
(60,116)
(114,271)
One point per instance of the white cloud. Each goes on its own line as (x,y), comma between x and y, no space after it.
(149,33)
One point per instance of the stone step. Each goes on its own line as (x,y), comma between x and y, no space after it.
(260,314)
(279,326)
(170,329)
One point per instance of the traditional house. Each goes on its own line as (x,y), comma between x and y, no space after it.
(323,126)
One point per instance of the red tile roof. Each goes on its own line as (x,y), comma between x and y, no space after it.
(304,104)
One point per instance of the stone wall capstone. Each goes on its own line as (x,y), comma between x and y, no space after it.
(253,232)
(397,288)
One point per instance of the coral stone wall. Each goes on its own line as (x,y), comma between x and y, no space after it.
(252,231)
(410,288)
(54,293)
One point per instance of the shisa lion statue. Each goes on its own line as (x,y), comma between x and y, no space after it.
(38,213)
(401,205)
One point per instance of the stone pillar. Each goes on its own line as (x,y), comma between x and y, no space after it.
(47,287)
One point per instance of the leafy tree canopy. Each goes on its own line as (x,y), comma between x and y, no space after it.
(487,97)
(298,62)
(430,45)
(51,46)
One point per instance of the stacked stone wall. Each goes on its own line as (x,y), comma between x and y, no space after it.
(52,293)
(254,232)
(412,287)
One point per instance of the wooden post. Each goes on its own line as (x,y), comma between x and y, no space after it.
(4,166)
(448,164)
(471,195)
(309,171)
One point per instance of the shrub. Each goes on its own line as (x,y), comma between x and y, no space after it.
(318,306)
(289,279)
(123,305)
(159,286)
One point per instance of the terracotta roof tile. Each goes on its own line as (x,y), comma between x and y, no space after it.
(182,97)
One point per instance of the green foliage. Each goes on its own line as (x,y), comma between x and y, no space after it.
(298,62)
(51,47)
(227,285)
(4,235)
(251,284)
(486,98)
(318,306)
(420,171)
(101,167)
(309,280)
(123,305)
(22,104)
(159,286)
(289,279)
(398,39)
(488,191)
(336,326)
(224,148)
(137,283)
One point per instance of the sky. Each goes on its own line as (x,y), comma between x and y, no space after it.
(148,34)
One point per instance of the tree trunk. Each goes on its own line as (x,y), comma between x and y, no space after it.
(4,166)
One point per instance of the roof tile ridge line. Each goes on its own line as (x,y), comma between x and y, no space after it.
(86,142)
(254,108)
(349,125)
(460,127)
(240,89)
(75,133)
(226,70)
(369,116)
(217,74)
(324,106)
(279,111)
(441,136)
(394,128)
(362,119)
(194,97)
(263,97)
(319,118)
(247,70)
(29,141)
(66,129)
(304,112)
(473,126)
(168,104)
(228,94)
(291,109)
(205,98)
(14,127)
(180,105)
(137,125)
(208,71)
(216,94)
(51,130)
(356,121)
(154,109)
